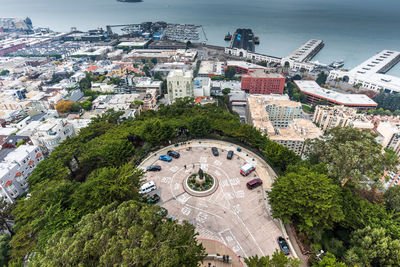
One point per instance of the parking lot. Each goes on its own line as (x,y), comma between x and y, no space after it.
(233,214)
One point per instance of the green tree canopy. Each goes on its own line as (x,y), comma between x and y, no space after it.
(278,259)
(230,73)
(373,247)
(392,199)
(329,260)
(131,234)
(350,155)
(310,199)
(5,249)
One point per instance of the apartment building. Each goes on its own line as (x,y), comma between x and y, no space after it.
(15,167)
(262,82)
(150,100)
(179,84)
(279,118)
(328,117)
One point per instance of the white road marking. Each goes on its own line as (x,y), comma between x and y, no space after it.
(202,217)
(177,186)
(217,163)
(234,181)
(174,169)
(186,211)
(203,159)
(166,180)
(183,198)
(239,194)
(204,167)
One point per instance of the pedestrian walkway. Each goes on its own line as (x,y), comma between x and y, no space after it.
(216,248)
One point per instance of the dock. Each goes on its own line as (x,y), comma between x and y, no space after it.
(307,51)
(243,39)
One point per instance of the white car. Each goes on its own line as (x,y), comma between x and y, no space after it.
(147,187)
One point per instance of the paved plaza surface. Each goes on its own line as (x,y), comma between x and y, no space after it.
(233,214)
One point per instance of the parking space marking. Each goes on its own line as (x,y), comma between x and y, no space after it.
(205,211)
(177,186)
(224,183)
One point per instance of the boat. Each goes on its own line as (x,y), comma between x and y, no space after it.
(256,40)
(228,37)
(337,64)
(129,1)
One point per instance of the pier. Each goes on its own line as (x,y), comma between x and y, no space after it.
(307,51)
(380,63)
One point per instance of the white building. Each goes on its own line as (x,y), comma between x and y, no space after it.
(371,73)
(179,83)
(15,167)
(49,133)
(211,68)
(202,86)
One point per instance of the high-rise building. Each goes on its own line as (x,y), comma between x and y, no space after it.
(179,84)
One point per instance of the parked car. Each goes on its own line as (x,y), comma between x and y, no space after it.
(283,245)
(254,183)
(173,154)
(153,199)
(147,188)
(215,151)
(153,168)
(230,154)
(165,158)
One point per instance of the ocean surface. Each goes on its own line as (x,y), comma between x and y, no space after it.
(353,30)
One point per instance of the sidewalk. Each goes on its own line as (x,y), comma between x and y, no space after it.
(213,248)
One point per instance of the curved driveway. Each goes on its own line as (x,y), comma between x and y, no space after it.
(233,215)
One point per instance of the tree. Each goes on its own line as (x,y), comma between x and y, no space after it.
(85,83)
(278,259)
(329,260)
(4,72)
(6,216)
(76,107)
(154,60)
(392,199)
(157,76)
(199,126)
(64,106)
(5,249)
(321,79)
(226,91)
(131,234)
(230,73)
(371,246)
(86,105)
(350,155)
(307,198)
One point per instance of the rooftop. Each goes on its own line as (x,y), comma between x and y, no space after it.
(378,62)
(298,130)
(311,87)
(305,50)
(263,74)
(244,64)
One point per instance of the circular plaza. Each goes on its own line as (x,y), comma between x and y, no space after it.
(209,192)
